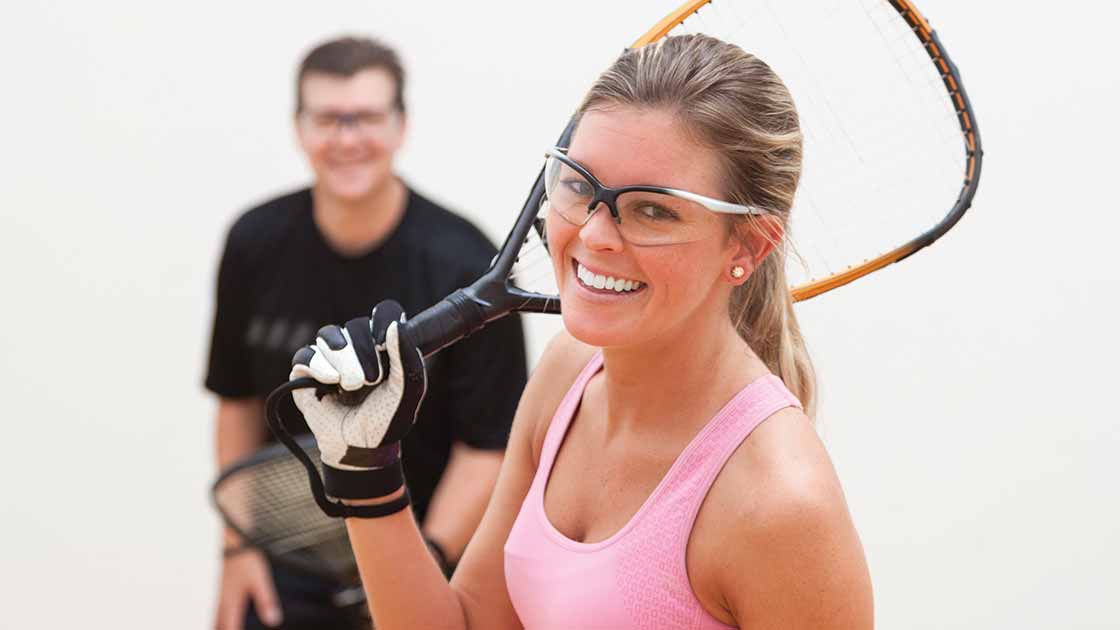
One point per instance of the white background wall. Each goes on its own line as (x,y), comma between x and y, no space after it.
(968,394)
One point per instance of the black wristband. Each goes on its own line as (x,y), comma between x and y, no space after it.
(368,483)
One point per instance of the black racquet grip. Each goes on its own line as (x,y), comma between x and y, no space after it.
(446,322)
(433,329)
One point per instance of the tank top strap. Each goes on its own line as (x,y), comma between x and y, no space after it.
(655,553)
(558,426)
(690,479)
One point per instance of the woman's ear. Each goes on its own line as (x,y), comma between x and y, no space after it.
(752,241)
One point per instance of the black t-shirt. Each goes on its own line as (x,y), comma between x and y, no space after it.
(279,282)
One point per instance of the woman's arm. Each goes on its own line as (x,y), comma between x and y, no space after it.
(405,587)
(779,549)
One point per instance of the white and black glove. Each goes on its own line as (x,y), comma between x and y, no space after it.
(359,430)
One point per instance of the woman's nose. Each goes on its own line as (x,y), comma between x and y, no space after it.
(601,232)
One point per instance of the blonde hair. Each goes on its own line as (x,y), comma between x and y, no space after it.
(734,104)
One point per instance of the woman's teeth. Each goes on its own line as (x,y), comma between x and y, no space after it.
(610,283)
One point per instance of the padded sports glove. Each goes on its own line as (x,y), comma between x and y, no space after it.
(359,429)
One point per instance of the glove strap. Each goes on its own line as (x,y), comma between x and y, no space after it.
(374,511)
(365,483)
(368,483)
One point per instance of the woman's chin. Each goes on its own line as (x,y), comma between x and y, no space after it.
(596,330)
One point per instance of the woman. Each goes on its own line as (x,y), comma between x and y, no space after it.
(662,471)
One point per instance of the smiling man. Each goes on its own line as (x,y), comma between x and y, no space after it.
(358,235)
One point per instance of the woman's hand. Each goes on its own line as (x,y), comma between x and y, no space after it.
(359,442)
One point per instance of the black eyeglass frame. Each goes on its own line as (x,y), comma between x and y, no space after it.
(609,196)
(341,120)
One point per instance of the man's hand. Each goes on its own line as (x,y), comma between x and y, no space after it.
(245,577)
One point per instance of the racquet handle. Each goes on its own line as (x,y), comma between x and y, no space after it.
(431,330)
(444,323)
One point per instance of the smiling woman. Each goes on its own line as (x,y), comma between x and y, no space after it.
(623,145)
(660,472)
(730,126)
(659,417)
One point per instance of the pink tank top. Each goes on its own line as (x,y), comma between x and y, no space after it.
(636,579)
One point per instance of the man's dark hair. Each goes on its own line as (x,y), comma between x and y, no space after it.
(347,56)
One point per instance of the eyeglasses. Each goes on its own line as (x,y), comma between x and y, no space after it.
(645,215)
(366,122)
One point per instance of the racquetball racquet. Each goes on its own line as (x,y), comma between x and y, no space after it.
(891,160)
(263,498)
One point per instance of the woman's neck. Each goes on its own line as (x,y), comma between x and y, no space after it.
(678,382)
(354,227)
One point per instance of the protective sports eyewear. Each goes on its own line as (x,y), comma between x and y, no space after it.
(645,215)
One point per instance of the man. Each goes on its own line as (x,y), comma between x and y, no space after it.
(357,236)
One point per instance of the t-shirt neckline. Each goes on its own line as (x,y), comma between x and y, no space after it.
(375,249)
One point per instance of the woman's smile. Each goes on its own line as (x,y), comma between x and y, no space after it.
(605,282)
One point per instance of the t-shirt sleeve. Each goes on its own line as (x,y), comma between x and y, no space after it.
(228,372)
(488,373)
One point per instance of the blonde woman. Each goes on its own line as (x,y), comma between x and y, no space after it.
(662,471)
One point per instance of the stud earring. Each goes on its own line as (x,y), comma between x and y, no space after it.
(737,272)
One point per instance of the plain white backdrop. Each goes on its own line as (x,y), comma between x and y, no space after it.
(967,394)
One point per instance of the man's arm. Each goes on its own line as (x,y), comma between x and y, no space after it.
(461,497)
(239,431)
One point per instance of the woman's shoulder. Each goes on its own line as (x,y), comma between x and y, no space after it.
(779,494)
(559,366)
(782,469)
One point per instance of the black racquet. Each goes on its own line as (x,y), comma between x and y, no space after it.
(264,499)
(891,159)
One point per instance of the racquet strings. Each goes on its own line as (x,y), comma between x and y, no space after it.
(266,499)
(884,156)
(532,270)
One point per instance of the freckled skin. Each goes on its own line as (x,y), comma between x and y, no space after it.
(683,281)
